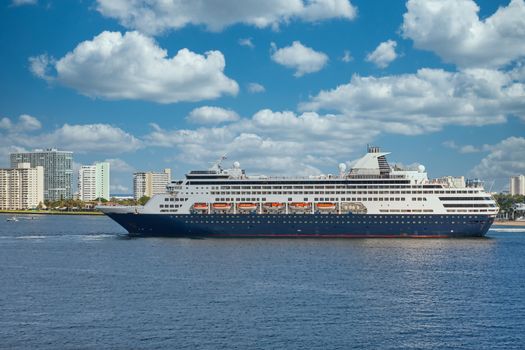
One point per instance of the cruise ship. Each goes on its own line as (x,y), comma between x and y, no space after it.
(371,200)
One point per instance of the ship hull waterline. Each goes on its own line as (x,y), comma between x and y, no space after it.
(303,225)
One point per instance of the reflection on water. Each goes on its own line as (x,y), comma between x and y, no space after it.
(78,282)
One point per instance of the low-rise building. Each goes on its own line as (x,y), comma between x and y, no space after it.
(150,183)
(21,187)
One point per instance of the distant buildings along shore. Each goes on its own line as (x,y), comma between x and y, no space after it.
(150,183)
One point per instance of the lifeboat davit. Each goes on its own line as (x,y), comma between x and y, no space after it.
(325,206)
(200,206)
(299,205)
(247,206)
(221,206)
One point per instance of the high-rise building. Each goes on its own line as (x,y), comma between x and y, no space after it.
(21,187)
(150,183)
(517,185)
(58,171)
(93,181)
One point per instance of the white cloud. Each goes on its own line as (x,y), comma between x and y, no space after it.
(504,160)
(426,101)
(156,16)
(255,88)
(119,166)
(246,42)
(465,148)
(133,66)
(347,57)
(25,123)
(384,54)
(453,30)
(119,189)
(211,115)
(270,142)
(299,57)
(23,2)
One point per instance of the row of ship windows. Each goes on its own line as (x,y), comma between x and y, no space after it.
(467,211)
(326,222)
(369,216)
(170,205)
(329,192)
(420,187)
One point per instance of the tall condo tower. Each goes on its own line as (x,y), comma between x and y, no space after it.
(58,170)
(93,181)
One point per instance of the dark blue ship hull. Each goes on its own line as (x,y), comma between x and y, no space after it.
(304,225)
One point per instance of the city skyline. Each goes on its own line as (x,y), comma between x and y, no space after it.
(282,88)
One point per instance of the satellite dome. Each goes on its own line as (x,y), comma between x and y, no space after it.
(236,165)
(342,167)
(421,168)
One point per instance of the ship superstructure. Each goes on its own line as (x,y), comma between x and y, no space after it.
(372,199)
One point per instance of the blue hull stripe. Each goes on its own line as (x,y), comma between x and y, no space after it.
(304,225)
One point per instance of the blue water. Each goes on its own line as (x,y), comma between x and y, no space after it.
(77,282)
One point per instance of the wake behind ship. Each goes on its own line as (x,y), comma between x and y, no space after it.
(371,200)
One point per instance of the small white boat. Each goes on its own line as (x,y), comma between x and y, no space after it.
(14,219)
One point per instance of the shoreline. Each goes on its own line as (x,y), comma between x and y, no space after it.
(49,212)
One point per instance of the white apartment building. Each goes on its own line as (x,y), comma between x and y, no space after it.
(150,183)
(21,187)
(93,181)
(517,185)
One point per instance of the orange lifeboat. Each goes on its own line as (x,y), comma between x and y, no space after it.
(325,206)
(200,206)
(247,206)
(299,205)
(273,205)
(221,206)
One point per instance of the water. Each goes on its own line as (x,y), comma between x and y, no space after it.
(77,282)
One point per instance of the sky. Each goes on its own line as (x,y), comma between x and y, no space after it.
(285,87)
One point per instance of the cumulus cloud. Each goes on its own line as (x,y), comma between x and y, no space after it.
(426,101)
(25,123)
(299,57)
(211,115)
(505,159)
(157,16)
(453,30)
(84,138)
(133,66)
(467,148)
(26,134)
(255,88)
(270,142)
(384,54)
(118,165)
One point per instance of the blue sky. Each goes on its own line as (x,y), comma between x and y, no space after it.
(284,87)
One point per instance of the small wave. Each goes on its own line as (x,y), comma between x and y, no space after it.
(508,229)
(96,237)
(31,237)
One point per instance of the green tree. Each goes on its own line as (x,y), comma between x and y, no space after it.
(143,200)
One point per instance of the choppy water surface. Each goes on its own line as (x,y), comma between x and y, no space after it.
(77,282)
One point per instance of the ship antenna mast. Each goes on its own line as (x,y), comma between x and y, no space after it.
(217,164)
